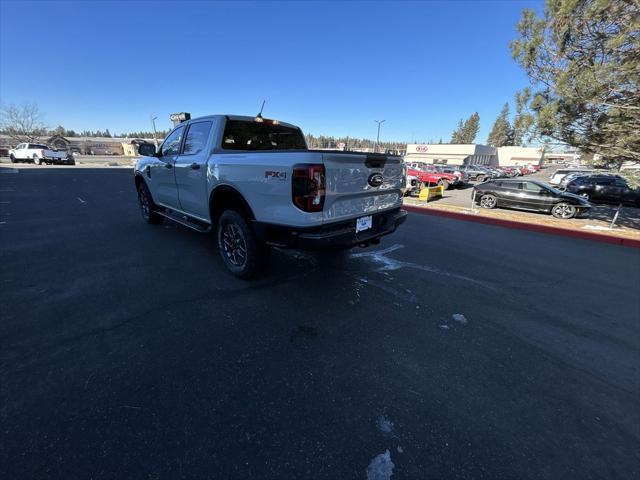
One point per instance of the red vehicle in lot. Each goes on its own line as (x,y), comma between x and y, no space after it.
(427,176)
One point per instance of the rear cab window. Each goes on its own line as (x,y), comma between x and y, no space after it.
(250,135)
(197,137)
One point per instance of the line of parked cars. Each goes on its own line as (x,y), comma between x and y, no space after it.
(421,175)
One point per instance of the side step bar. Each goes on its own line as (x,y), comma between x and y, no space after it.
(185,220)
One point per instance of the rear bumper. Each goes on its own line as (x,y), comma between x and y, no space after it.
(330,235)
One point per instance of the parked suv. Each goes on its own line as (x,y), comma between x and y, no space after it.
(605,189)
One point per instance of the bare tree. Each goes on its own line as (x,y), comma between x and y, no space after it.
(23,123)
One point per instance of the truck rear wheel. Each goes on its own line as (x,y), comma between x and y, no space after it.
(240,250)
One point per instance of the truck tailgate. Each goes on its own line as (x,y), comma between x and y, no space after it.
(360,184)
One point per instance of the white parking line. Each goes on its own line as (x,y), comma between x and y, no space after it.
(5,202)
(7,190)
(81,200)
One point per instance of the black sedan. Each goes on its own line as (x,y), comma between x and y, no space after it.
(530,195)
(605,189)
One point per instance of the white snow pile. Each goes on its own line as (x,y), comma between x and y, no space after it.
(596,227)
(460,318)
(381,467)
(385,425)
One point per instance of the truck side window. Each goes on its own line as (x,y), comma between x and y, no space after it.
(171,145)
(197,137)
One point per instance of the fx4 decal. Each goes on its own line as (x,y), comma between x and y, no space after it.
(275,175)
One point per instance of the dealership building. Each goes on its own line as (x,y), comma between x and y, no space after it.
(473,154)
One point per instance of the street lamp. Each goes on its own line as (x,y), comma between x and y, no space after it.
(155,134)
(379,122)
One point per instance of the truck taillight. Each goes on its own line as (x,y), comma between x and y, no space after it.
(308,187)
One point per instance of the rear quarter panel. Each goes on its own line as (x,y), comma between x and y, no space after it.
(264,180)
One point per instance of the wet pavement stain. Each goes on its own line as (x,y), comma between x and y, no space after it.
(303,333)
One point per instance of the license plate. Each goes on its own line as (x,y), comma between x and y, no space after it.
(363,223)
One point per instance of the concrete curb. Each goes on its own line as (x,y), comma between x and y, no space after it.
(596,237)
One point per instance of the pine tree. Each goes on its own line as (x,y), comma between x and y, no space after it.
(466,130)
(470,129)
(582,60)
(456,136)
(501,133)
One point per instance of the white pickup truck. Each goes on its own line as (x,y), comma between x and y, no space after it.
(38,154)
(254,182)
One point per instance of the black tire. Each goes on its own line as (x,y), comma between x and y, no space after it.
(480,178)
(564,210)
(239,248)
(444,183)
(12,158)
(147,207)
(488,201)
(585,195)
(37,160)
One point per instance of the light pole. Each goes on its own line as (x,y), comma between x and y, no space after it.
(155,134)
(379,122)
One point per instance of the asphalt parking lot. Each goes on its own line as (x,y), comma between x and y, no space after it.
(465,350)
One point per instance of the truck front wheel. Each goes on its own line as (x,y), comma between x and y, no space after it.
(147,207)
(241,251)
(12,158)
(37,160)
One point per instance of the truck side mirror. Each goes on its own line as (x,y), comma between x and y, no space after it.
(147,150)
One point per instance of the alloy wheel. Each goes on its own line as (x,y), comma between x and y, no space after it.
(234,244)
(564,210)
(145,205)
(487,201)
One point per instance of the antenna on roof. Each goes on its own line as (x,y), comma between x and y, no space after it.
(261,108)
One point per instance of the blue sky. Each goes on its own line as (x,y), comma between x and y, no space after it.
(330,67)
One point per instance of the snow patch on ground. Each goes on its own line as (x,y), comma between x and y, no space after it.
(386,264)
(384,424)
(381,467)
(596,227)
(460,318)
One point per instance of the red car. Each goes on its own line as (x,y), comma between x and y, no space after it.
(426,176)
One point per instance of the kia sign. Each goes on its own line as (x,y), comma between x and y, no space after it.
(421,148)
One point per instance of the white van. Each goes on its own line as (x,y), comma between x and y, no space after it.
(559,174)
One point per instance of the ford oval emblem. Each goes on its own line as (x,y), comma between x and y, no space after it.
(376,179)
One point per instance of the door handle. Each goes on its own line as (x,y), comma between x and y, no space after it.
(195,166)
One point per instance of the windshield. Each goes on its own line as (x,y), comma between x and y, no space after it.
(252,135)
